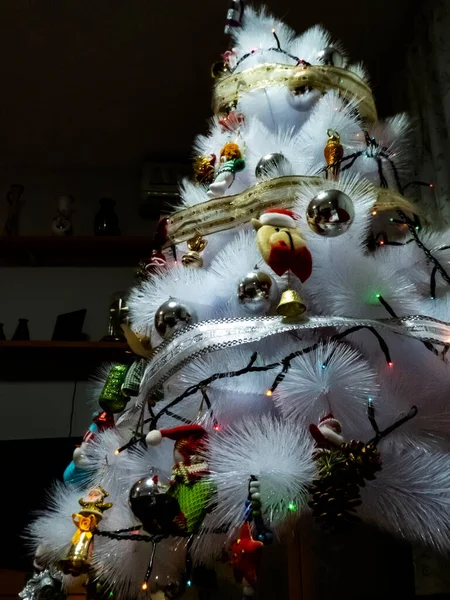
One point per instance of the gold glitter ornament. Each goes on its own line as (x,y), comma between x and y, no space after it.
(193,258)
(334,153)
(204,169)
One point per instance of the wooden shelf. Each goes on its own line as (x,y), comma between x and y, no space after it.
(90,251)
(45,360)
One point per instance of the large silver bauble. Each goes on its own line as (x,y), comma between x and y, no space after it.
(256,292)
(331,56)
(330,213)
(271,164)
(172,316)
(153,507)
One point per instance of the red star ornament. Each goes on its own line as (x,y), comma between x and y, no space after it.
(245,556)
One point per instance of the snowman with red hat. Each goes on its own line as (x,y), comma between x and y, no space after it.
(189,483)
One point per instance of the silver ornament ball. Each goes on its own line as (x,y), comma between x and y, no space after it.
(153,506)
(172,316)
(331,56)
(330,213)
(271,164)
(256,292)
(172,587)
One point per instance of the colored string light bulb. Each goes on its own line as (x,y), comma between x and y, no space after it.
(276,39)
(291,506)
(145,585)
(390,364)
(269,393)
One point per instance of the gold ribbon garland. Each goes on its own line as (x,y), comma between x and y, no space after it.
(227,212)
(317,77)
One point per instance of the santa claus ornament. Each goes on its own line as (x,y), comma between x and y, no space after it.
(328,433)
(284,250)
(189,483)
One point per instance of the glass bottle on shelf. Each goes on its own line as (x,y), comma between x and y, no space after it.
(106,221)
(21,332)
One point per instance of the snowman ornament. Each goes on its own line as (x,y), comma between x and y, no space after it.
(231,162)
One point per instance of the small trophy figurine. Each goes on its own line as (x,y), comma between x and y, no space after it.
(77,560)
(62,221)
(118,314)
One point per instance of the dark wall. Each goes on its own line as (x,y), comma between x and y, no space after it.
(28,468)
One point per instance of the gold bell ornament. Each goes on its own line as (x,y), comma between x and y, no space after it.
(291,305)
(193,258)
(334,153)
(78,558)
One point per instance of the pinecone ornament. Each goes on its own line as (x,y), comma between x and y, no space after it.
(363,459)
(343,468)
(335,493)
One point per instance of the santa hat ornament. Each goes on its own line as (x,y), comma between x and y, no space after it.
(279,217)
(190,440)
(328,432)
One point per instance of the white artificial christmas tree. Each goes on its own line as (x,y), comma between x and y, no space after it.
(299,318)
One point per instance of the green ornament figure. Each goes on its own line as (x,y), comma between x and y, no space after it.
(190,483)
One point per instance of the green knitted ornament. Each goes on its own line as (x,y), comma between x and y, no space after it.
(193,499)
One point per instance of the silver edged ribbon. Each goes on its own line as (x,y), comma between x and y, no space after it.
(209,336)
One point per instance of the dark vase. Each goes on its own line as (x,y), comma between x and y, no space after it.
(2,333)
(21,332)
(106,222)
